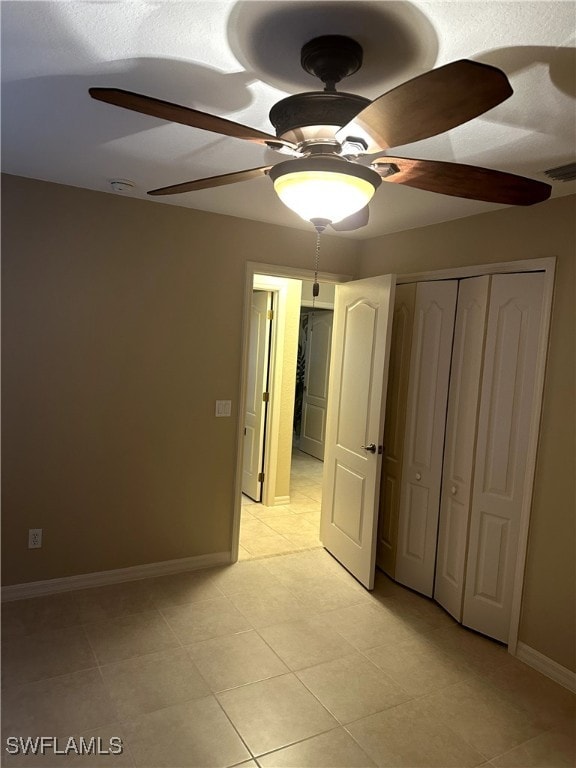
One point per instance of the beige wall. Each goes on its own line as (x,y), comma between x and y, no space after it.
(122,326)
(549,601)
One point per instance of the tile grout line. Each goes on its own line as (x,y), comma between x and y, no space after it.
(362,652)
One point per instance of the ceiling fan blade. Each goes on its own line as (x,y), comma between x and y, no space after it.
(428,105)
(355,221)
(212,181)
(175,113)
(463,180)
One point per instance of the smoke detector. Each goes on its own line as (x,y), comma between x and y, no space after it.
(122,185)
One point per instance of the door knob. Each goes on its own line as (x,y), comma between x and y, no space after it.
(453,489)
(371,448)
(418,476)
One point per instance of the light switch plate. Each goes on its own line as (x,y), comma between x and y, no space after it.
(223,407)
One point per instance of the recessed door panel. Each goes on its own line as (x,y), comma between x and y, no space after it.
(314,424)
(389,498)
(355,374)
(502,427)
(348,497)
(451,559)
(415,521)
(428,336)
(493,541)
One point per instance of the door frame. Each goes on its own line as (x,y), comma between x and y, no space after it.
(547,265)
(267,280)
(260,364)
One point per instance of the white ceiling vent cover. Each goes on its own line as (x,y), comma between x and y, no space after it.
(562,172)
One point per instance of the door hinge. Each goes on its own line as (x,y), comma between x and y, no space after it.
(260,477)
(266,397)
(270,314)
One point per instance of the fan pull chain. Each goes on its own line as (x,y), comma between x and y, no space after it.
(316,285)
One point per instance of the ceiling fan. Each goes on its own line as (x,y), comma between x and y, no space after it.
(339,143)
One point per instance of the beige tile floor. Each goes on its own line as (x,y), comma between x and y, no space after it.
(282,661)
(294,527)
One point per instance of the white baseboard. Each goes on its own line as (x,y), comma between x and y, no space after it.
(547,666)
(101,578)
(281,500)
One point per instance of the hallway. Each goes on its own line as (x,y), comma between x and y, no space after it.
(293,527)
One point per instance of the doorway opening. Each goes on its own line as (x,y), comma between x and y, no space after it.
(288,361)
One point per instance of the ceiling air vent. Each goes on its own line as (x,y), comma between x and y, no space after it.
(562,173)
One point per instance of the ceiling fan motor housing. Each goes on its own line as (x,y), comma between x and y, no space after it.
(318,109)
(313,115)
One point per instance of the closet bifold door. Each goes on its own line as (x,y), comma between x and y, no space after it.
(506,407)
(398,377)
(433,330)
(460,443)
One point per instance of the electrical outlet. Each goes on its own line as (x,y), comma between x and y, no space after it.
(34,538)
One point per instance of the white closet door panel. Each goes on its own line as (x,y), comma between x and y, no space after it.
(425,426)
(507,401)
(460,443)
(398,378)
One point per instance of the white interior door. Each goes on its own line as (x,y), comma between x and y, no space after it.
(425,426)
(398,379)
(507,402)
(460,442)
(355,423)
(255,410)
(316,377)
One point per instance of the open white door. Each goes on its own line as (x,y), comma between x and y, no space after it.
(316,377)
(355,423)
(255,412)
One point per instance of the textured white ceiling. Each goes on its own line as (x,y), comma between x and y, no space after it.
(236,58)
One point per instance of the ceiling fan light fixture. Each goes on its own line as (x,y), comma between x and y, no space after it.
(326,188)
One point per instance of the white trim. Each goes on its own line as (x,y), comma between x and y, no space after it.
(102,578)
(296,273)
(547,666)
(279,501)
(495,268)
